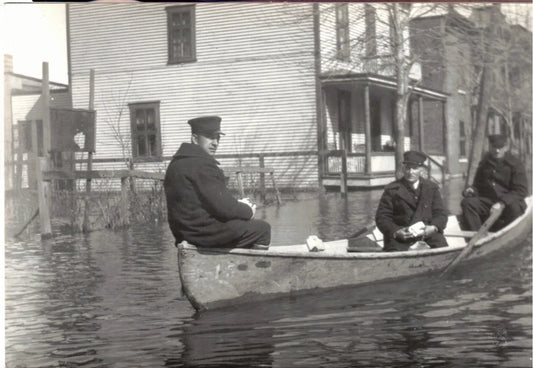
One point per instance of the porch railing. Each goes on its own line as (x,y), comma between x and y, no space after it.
(340,162)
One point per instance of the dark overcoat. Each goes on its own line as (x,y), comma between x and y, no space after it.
(402,206)
(198,201)
(501,181)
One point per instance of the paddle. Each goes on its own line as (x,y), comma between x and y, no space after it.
(357,244)
(368,228)
(494,215)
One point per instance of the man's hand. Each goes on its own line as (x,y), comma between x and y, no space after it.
(496,206)
(248,202)
(403,235)
(469,192)
(430,230)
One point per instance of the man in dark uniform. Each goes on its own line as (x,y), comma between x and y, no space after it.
(200,208)
(411,209)
(500,179)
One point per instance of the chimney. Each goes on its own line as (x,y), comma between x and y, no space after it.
(8,63)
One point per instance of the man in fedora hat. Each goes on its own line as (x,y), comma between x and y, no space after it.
(200,208)
(411,209)
(500,179)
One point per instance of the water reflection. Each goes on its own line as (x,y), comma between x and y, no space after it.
(419,322)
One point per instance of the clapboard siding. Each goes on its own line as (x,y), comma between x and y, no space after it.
(29,107)
(357,27)
(254,68)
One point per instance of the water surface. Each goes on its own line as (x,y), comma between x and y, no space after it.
(112,299)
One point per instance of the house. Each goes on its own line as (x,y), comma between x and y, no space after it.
(511,107)
(22,108)
(450,47)
(294,83)
(445,45)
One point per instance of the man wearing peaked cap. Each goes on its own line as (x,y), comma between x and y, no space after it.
(497,140)
(208,126)
(411,209)
(414,158)
(201,210)
(500,179)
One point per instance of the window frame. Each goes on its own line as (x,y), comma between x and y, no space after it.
(371,42)
(463,144)
(171,10)
(134,107)
(342,29)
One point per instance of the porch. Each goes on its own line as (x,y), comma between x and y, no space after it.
(347,170)
(357,130)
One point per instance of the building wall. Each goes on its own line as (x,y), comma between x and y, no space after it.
(446,66)
(358,37)
(28,107)
(458,84)
(254,68)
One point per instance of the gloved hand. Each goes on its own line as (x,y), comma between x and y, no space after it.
(403,235)
(496,206)
(430,230)
(469,192)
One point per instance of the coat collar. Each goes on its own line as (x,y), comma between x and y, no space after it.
(406,193)
(508,159)
(192,150)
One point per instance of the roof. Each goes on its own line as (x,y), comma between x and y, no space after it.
(386,82)
(25,84)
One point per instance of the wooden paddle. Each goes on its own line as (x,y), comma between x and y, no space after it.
(494,215)
(364,230)
(357,244)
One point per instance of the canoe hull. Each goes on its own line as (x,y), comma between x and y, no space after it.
(213,278)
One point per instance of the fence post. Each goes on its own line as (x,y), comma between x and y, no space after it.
(131,166)
(239,182)
(124,201)
(42,193)
(87,207)
(262,177)
(18,166)
(344,174)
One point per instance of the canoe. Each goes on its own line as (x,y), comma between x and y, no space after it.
(217,277)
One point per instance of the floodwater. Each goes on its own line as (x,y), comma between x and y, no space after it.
(112,299)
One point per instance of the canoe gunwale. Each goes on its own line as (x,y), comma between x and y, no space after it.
(271,252)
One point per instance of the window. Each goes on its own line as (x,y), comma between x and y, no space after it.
(370,24)
(145,130)
(462,139)
(181,34)
(343,31)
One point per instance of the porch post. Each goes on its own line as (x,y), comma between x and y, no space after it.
(319,97)
(368,136)
(445,138)
(421,123)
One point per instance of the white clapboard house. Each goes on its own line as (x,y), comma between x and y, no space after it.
(291,81)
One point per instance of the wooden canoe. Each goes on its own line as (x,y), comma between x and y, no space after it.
(216,277)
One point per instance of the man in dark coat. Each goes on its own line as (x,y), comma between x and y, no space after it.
(500,179)
(415,202)
(200,208)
